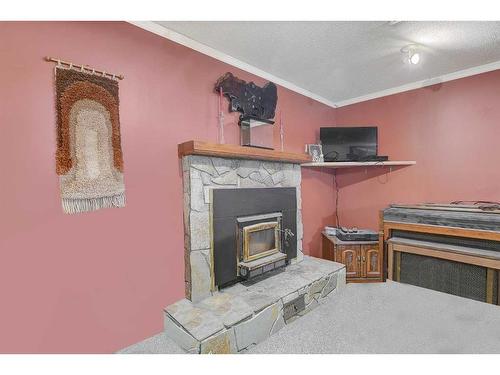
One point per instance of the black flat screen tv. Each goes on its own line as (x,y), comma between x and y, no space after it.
(349,143)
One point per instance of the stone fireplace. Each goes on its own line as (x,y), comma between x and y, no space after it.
(245,274)
(242,219)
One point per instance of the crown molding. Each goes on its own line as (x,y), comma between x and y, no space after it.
(209,51)
(423,83)
(221,56)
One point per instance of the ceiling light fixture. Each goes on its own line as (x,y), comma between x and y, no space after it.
(411,54)
(414,58)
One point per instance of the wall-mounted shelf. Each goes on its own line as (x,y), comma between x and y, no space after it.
(356,164)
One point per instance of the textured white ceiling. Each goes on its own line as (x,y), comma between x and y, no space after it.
(343,60)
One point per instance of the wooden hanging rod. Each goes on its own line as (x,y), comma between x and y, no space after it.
(83,67)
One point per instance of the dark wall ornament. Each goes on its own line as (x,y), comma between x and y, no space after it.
(254,102)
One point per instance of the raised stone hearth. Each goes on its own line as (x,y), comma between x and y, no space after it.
(238,317)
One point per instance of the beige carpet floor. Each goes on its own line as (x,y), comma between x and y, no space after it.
(379,318)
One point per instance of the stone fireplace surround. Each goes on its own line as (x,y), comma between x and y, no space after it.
(200,175)
(237,317)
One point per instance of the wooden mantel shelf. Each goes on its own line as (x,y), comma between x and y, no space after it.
(239,152)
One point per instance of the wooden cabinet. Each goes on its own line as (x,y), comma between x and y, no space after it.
(363,259)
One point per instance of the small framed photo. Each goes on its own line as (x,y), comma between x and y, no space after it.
(316,152)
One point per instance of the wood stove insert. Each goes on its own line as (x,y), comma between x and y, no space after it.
(259,244)
(253,232)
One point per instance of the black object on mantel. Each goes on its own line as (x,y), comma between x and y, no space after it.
(254,102)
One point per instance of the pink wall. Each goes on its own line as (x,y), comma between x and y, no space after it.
(452,130)
(97,282)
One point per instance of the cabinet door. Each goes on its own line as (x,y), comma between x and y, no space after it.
(349,255)
(371,261)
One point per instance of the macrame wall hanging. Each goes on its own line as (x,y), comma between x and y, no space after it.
(89,157)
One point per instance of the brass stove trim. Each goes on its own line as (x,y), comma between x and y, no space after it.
(256,228)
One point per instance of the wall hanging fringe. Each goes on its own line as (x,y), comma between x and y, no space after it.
(74,206)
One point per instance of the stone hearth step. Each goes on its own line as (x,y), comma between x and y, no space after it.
(235,318)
